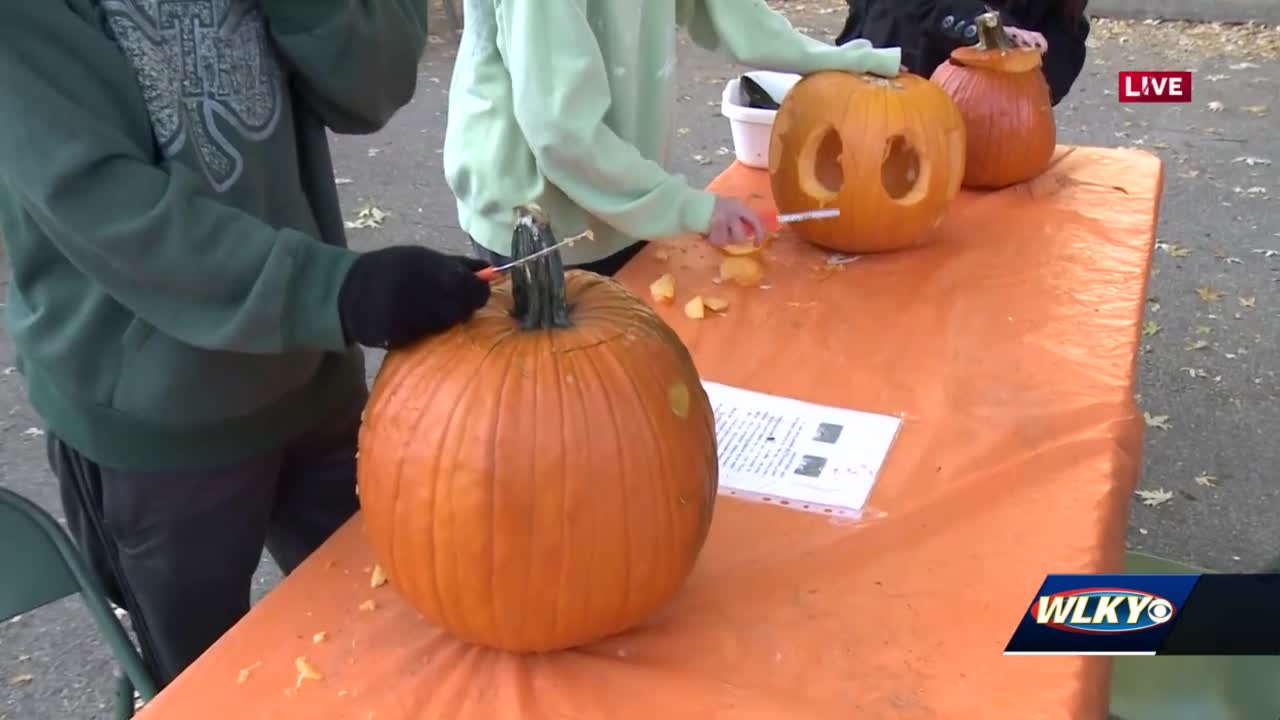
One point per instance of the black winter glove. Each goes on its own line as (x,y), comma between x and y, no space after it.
(395,296)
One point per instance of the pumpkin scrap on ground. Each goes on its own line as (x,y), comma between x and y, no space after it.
(663,289)
(377,577)
(888,153)
(748,248)
(743,270)
(243,677)
(544,475)
(694,308)
(1004,99)
(306,671)
(715,304)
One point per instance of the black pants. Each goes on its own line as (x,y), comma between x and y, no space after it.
(178,551)
(608,266)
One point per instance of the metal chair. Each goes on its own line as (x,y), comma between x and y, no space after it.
(40,565)
(1192,687)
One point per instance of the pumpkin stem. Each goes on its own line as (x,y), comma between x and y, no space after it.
(537,287)
(991,34)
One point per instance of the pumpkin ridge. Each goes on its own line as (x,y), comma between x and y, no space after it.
(567,547)
(444,433)
(589,563)
(533,570)
(427,380)
(607,401)
(665,543)
(495,460)
(620,367)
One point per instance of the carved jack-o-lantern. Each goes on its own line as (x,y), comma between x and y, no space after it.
(889,153)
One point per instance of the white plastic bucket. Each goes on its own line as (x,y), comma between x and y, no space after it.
(752,127)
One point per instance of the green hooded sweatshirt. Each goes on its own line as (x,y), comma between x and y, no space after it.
(568,103)
(168,207)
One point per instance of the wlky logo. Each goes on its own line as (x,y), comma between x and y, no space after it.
(1155,86)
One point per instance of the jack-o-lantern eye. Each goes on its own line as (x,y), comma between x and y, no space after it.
(888,153)
(821,164)
(900,170)
(1004,99)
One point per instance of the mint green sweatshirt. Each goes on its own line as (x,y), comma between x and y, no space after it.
(568,103)
(168,208)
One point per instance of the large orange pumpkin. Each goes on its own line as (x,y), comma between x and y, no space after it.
(1004,99)
(888,152)
(542,476)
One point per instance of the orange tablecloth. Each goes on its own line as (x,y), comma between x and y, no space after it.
(1009,348)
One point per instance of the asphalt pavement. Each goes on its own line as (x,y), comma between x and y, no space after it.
(1208,364)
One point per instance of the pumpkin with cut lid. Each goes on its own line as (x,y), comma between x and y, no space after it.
(542,476)
(1004,98)
(889,153)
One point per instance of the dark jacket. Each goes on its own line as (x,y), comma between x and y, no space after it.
(928,30)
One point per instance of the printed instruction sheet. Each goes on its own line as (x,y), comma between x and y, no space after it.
(779,449)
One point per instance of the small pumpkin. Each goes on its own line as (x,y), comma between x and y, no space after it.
(542,476)
(888,152)
(1008,112)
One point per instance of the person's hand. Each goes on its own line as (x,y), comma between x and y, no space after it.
(1027,38)
(733,223)
(396,296)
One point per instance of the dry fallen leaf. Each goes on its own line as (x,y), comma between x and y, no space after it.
(1151,327)
(378,577)
(1154,497)
(1206,480)
(1249,302)
(1195,372)
(694,309)
(368,216)
(1156,421)
(715,304)
(22,679)
(1209,294)
(246,672)
(1196,345)
(742,270)
(1215,106)
(1177,250)
(1255,109)
(663,289)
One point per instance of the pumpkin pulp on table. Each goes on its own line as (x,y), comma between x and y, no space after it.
(542,476)
(1008,113)
(887,152)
